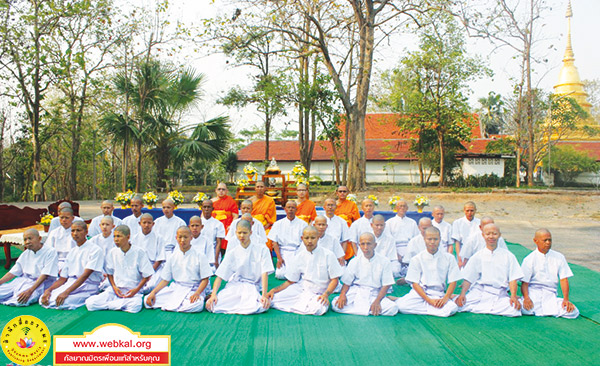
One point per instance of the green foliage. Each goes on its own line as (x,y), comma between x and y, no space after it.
(492,114)
(567,163)
(506,146)
(481,181)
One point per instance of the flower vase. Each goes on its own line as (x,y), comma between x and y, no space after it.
(123,207)
(250,176)
(175,207)
(46,228)
(420,208)
(241,189)
(150,206)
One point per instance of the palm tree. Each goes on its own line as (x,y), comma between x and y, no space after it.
(122,130)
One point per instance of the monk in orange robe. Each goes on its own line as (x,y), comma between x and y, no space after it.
(348,211)
(263,208)
(225,209)
(306,208)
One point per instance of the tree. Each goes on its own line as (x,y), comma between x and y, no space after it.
(491,117)
(432,88)
(569,163)
(514,24)
(229,162)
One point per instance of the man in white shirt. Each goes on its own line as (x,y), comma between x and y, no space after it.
(167,225)
(258,230)
(128,269)
(462,228)
(201,242)
(475,242)
(417,244)
(55,222)
(133,220)
(246,269)
(366,282)
(542,270)
(286,236)
(35,270)
(311,278)
(327,241)
(337,227)
(190,272)
(107,208)
(105,239)
(488,276)
(213,230)
(61,239)
(433,274)
(446,242)
(80,275)
(154,245)
(362,225)
(402,229)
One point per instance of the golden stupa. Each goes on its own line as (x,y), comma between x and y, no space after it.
(569,83)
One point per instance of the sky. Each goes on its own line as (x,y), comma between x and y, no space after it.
(220,75)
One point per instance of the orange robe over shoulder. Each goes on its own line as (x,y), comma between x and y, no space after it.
(224,208)
(264,211)
(306,211)
(348,211)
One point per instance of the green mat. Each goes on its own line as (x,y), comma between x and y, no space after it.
(277,338)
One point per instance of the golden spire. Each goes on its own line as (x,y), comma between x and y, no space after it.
(569,81)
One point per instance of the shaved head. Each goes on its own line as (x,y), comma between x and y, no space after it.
(80,224)
(31,231)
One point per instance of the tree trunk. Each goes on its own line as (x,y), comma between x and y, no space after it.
(124,165)
(138,168)
(3,119)
(442,157)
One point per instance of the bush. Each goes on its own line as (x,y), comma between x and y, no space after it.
(481,181)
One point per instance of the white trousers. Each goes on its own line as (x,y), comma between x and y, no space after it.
(300,299)
(288,257)
(108,300)
(76,299)
(9,292)
(239,298)
(413,303)
(547,303)
(489,300)
(176,297)
(359,300)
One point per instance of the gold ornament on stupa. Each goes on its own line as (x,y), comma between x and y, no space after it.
(273,168)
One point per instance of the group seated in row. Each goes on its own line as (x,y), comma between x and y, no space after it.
(180,281)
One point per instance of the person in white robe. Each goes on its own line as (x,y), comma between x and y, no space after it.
(433,274)
(446,243)
(154,246)
(213,230)
(286,237)
(542,270)
(488,277)
(366,282)
(246,269)
(107,208)
(462,228)
(80,276)
(475,242)
(417,244)
(258,230)
(55,222)
(200,242)
(233,242)
(133,220)
(190,272)
(362,225)
(106,241)
(336,226)
(402,228)
(327,241)
(35,270)
(61,239)
(167,225)
(128,269)
(311,278)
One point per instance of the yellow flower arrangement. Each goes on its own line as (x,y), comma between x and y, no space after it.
(299,171)
(177,197)
(373,198)
(421,201)
(351,197)
(150,198)
(46,219)
(124,198)
(394,201)
(250,169)
(199,197)
(242,182)
(302,180)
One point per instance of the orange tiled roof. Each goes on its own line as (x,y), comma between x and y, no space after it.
(591,147)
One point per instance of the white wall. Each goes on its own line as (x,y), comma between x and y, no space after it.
(482,166)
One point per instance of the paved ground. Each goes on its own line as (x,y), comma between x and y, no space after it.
(572,217)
